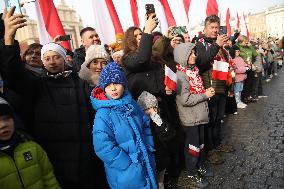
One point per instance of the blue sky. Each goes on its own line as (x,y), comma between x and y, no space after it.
(84,8)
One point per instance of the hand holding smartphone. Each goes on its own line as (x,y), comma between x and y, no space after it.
(13,3)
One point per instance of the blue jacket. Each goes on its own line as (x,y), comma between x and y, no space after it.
(122,139)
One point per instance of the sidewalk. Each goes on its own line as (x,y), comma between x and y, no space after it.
(257,134)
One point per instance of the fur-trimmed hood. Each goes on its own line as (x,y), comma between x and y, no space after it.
(86,74)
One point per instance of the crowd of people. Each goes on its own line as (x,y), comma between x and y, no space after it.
(104,117)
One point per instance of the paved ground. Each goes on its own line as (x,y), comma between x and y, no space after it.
(257,134)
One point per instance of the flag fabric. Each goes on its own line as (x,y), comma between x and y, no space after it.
(49,24)
(107,22)
(220,70)
(170,78)
(238,21)
(134,12)
(246,27)
(229,31)
(212,7)
(186,4)
(169,15)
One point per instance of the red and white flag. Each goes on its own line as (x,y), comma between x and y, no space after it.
(220,70)
(246,26)
(170,78)
(169,15)
(107,22)
(134,12)
(228,17)
(49,24)
(212,7)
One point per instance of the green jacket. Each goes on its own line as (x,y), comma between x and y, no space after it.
(247,52)
(28,169)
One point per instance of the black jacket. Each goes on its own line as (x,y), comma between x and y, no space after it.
(142,73)
(63,122)
(206,52)
(78,58)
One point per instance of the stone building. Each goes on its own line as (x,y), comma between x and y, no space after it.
(71,24)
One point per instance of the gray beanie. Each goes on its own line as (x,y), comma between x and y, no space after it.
(182,52)
(146,100)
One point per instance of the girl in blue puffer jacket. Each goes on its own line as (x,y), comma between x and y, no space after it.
(121,133)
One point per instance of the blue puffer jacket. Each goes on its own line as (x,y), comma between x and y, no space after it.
(122,139)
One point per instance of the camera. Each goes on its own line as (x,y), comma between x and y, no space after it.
(13,3)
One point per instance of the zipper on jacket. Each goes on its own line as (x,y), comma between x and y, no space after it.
(19,175)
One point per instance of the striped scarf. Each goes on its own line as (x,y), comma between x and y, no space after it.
(195,81)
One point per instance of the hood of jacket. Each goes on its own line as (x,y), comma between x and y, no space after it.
(86,74)
(100,100)
(182,52)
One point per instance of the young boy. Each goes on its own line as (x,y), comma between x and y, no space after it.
(24,164)
(192,106)
(121,134)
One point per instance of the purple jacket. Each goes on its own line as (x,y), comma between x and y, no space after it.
(241,68)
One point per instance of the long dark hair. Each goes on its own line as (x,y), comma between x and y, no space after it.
(129,43)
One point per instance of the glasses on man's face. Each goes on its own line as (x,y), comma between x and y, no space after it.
(37,53)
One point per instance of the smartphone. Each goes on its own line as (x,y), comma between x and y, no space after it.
(65,38)
(13,3)
(150,8)
(223,30)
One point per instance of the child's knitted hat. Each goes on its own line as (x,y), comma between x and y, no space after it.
(112,73)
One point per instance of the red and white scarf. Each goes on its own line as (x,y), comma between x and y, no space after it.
(195,81)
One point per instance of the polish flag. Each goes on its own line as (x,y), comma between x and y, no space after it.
(229,31)
(220,70)
(49,24)
(107,22)
(238,21)
(170,78)
(212,7)
(169,15)
(186,4)
(246,27)
(134,12)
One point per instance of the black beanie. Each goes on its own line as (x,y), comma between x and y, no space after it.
(5,108)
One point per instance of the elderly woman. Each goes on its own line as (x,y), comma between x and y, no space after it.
(96,59)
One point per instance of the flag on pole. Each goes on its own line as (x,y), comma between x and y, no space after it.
(212,7)
(134,12)
(229,31)
(49,24)
(107,22)
(238,21)
(170,78)
(220,70)
(186,4)
(246,26)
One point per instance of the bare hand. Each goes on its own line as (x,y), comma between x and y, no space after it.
(210,92)
(12,24)
(169,33)
(221,39)
(168,90)
(151,22)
